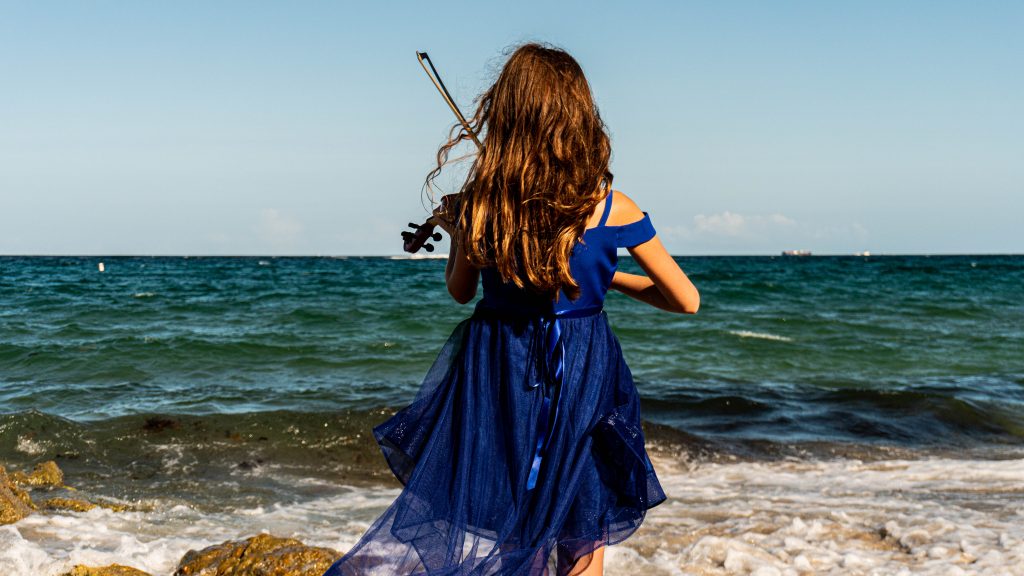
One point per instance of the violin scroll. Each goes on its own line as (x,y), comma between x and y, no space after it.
(425,232)
(418,239)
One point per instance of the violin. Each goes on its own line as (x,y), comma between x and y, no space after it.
(424,232)
(413,241)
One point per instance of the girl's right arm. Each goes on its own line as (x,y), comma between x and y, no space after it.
(665,286)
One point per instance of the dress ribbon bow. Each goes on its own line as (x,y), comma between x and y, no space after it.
(551,363)
(552,367)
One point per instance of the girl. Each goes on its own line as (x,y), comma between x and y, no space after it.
(524,439)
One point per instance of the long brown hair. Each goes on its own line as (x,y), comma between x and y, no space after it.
(542,170)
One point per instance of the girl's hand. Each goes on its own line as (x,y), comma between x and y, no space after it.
(665,285)
(440,219)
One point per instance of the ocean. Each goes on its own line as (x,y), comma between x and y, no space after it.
(833,415)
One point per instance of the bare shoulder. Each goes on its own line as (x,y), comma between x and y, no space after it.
(624,210)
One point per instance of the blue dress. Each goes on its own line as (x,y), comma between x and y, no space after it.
(524,438)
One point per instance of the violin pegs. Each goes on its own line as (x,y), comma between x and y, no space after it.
(407,235)
(414,226)
(436,236)
(428,247)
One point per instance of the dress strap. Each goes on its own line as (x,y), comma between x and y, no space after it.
(607,208)
(634,233)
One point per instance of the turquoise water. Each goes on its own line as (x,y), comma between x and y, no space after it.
(917,352)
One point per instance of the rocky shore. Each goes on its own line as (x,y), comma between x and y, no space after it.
(43,490)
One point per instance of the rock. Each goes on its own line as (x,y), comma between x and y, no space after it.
(112,570)
(68,504)
(14,502)
(119,507)
(250,464)
(160,423)
(80,505)
(260,555)
(46,474)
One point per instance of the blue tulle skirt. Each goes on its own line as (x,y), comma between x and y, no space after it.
(503,474)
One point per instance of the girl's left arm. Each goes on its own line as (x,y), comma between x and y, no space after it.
(642,288)
(460,276)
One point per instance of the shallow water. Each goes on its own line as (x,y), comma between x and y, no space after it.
(843,516)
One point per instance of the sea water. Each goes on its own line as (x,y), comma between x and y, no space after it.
(827,415)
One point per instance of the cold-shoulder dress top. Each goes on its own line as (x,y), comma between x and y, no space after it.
(523,439)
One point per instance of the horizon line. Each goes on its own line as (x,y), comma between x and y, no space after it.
(417,256)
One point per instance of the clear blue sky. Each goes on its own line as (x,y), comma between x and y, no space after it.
(307,127)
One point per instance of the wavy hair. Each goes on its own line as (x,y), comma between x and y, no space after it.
(542,169)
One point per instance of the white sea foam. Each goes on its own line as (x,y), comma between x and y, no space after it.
(29,446)
(418,256)
(790,518)
(930,516)
(761,335)
(47,544)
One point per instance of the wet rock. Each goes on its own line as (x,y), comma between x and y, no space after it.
(160,423)
(250,464)
(81,505)
(260,555)
(73,504)
(15,503)
(45,474)
(112,570)
(121,507)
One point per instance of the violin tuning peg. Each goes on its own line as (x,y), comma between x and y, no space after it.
(436,236)
(407,235)
(414,226)
(428,247)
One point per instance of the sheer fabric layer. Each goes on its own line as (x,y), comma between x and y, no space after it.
(463,449)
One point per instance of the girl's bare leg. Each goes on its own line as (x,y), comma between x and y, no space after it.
(590,565)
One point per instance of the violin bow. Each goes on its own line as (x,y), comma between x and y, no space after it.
(423,232)
(439,84)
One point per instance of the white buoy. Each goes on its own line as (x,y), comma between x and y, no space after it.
(101,267)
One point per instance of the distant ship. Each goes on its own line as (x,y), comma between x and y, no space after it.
(796,252)
(864,253)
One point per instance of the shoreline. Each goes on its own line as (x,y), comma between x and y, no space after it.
(785,517)
(171,456)
(736,507)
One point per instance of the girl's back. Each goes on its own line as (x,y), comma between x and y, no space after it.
(593,262)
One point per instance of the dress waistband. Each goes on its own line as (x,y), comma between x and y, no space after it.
(522,314)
